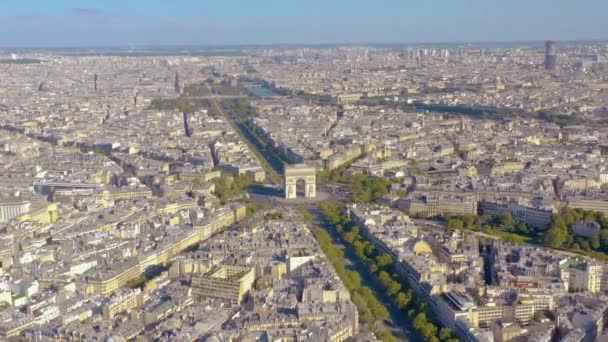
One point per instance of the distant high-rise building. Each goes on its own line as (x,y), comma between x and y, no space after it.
(597,58)
(95,81)
(498,83)
(187,129)
(550,55)
(177,82)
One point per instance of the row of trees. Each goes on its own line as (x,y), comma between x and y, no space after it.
(500,113)
(505,222)
(197,90)
(254,208)
(185,105)
(240,110)
(240,107)
(371,311)
(558,118)
(364,188)
(382,265)
(557,235)
(503,226)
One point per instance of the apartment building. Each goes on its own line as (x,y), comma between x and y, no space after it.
(226,283)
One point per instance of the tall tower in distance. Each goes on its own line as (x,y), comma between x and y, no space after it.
(177,86)
(597,58)
(498,83)
(550,55)
(187,129)
(95,81)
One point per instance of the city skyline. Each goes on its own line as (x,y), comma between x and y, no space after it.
(309,171)
(112,23)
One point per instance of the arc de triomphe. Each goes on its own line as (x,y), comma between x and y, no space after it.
(300,172)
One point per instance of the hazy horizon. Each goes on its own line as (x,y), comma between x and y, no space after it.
(46,24)
(204,47)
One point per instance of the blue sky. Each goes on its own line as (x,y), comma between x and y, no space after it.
(218,22)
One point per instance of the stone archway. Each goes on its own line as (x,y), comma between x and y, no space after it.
(300,173)
(300,187)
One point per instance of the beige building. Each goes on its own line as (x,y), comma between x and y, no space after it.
(122,303)
(589,204)
(109,282)
(581,184)
(590,277)
(504,332)
(227,283)
(127,195)
(13,209)
(492,168)
(42,212)
(435,205)
(215,224)
(342,157)
(539,217)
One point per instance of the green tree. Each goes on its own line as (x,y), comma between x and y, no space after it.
(394,288)
(351,236)
(411,313)
(354,279)
(468,221)
(604,240)
(384,260)
(401,193)
(378,310)
(428,330)
(506,221)
(365,315)
(386,336)
(359,247)
(522,229)
(323,176)
(445,334)
(370,249)
(595,242)
(589,216)
(403,299)
(557,233)
(584,244)
(569,216)
(602,219)
(455,224)
(420,321)
(385,279)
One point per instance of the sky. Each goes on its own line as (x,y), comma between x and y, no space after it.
(64,23)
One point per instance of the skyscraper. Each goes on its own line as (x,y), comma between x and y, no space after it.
(550,55)
(187,129)
(597,58)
